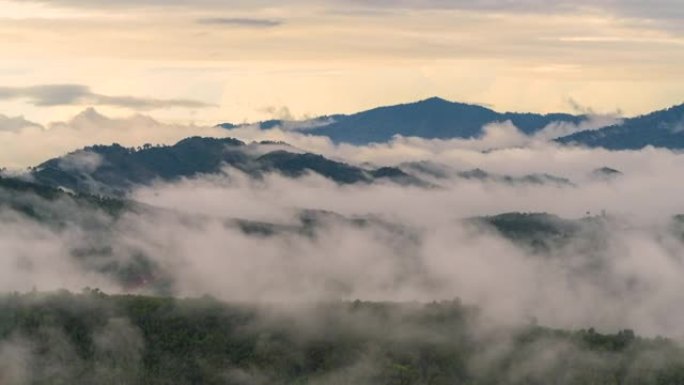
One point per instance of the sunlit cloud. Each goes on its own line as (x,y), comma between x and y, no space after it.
(240,22)
(74,94)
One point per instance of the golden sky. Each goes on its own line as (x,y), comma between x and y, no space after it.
(208,61)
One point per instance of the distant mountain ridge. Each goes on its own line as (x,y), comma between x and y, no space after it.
(664,128)
(433,118)
(437,118)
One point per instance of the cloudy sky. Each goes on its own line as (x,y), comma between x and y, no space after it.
(205,61)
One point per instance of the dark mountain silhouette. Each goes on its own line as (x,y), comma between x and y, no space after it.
(663,128)
(433,118)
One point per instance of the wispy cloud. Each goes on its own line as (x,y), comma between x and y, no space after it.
(240,22)
(657,9)
(15,123)
(25,144)
(76,95)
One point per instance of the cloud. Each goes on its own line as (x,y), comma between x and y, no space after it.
(593,122)
(434,256)
(657,9)
(343,57)
(15,123)
(279,113)
(502,137)
(34,144)
(240,22)
(411,245)
(48,354)
(677,126)
(660,9)
(77,95)
(81,161)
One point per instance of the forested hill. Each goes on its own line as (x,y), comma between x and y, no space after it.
(114,169)
(94,338)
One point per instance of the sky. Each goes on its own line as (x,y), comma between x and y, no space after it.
(210,61)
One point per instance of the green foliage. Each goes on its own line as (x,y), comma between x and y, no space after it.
(93,338)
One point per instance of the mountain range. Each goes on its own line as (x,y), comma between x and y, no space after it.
(114,170)
(437,118)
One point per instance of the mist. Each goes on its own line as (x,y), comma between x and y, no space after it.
(301,252)
(633,278)
(29,144)
(415,244)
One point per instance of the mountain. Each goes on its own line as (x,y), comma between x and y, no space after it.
(663,128)
(433,118)
(114,169)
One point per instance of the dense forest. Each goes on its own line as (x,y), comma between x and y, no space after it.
(87,338)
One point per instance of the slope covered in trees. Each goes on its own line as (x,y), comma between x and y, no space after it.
(63,338)
(115,170)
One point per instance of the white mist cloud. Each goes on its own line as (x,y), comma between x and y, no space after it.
(632,282)
(415,245)
(560,129)
(32,144)
(81,161)
(14,362)
(417,248)
(15,123)
(38,257)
